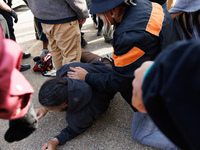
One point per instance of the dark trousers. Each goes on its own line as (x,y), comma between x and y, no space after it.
(87,57)
(9,21)
(98,22)
(39,31)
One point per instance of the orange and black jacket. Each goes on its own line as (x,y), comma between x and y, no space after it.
(144,31)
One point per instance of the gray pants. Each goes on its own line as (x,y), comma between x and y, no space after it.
(4,25)
(146,132)
(108,32)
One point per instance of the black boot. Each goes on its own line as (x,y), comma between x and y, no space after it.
(83,43)
(26,55)
(99,33)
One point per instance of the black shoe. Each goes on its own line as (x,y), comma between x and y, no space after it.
(26,55)
(25,67)
(82,33)
(83,43)
(99,33)
(22,127)
(109,41)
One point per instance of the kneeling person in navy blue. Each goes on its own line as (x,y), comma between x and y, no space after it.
(82,103)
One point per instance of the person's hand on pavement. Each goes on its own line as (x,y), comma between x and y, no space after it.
(51,145)
(137,101)
(14,15)
(40,112)
(79,73)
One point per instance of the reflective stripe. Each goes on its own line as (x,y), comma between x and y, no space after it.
(155,22)
(128,58)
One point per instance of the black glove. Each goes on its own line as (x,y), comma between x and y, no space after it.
(14,15)
(23,127)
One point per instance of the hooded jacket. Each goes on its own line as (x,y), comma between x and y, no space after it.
(139,37)
(85,104)
(171,93)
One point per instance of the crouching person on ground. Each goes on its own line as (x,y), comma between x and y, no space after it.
(82,103)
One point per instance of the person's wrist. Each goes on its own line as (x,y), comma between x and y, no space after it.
(45,109)
(55,140)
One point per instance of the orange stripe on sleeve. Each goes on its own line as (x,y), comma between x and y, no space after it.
(156,19)
(128,58)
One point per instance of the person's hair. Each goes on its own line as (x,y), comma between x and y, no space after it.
(54,92)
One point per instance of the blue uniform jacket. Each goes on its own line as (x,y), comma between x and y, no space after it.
(143,32)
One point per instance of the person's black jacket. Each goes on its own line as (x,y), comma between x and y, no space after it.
(85,104)
(171,93)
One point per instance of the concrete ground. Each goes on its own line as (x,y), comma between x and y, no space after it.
(111,131)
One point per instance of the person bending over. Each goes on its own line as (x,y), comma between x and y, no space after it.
(82,103)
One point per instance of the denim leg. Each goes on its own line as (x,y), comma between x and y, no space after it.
(146,132)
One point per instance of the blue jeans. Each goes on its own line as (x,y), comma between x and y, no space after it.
(146,132)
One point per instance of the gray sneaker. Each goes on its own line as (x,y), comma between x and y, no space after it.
(43,52)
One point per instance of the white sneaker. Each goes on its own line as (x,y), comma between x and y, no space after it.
(51,73)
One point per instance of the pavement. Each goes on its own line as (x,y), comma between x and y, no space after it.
(111,131)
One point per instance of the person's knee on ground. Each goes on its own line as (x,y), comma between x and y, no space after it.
(87,57)
(146,132)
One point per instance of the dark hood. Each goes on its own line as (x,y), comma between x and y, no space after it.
(79,94)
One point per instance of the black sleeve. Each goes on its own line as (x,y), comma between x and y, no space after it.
(108,82)
(68,134)
(77,123)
